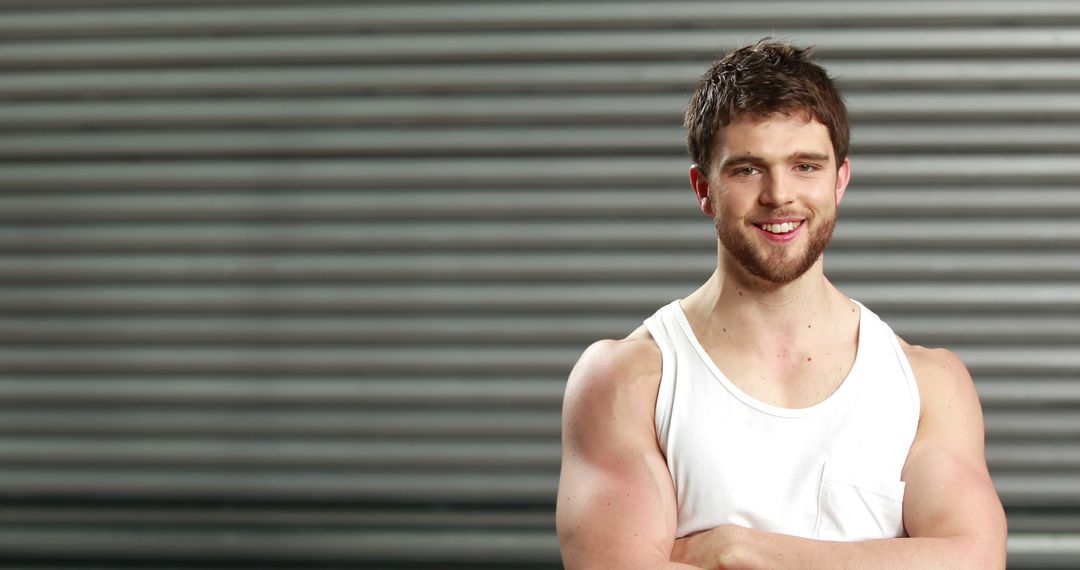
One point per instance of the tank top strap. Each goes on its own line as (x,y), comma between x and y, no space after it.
(663,326)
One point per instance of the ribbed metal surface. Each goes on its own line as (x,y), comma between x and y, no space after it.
(298,284)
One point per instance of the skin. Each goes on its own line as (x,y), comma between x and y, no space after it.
(616,503)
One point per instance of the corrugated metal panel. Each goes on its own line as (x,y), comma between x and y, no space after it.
(290,284)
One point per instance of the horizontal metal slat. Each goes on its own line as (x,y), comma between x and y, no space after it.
(507,328)
(281,454)
(1060,489)
(362,267)
(248,359)
(1007,359)
(295,422)
(1029,391)
(338,111)
(430,110)
(327,205)
(1038,457)
(508,546)
(1038,489)
(1043,550)
(937,201)
(300,80)
(495,172)
(504,78)
(305,389)
(332,360)
(412,299)
(909,137)
(1040,426)
(360,173)
(257,517)
(595,203)
(527,45)
(309,330)
(1031,521)
(1023,390)
(988,329)
(288,453)
(510,236)
(1021,138)
(440,141)
(171,483)
(997,391)
(1026,550)
(373,237)
(543,15)
(1001,425)
(85,267)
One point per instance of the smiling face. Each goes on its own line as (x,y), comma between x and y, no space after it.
(772,190)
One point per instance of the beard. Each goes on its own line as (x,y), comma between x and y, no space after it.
(771,262)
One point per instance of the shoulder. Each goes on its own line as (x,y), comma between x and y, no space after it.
(614,376)
(935,364)
(945,385)
(619,361)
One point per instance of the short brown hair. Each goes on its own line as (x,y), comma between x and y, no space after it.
(761,79)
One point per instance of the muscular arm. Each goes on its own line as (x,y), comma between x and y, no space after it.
(616,505)
(951,512)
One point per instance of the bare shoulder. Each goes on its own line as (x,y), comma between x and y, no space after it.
(618,364)
(935,365)
(949,399)
(614,380)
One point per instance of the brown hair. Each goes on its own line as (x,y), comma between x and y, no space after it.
(761,79)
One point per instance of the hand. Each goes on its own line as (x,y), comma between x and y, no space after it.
(713,549)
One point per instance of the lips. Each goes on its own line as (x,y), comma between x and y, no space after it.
(780,230)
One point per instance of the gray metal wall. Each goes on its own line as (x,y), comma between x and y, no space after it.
(298,283)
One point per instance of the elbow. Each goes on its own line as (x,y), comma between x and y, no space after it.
(987,559)
(995,542)
(992,558)
(997,553)
(986,551)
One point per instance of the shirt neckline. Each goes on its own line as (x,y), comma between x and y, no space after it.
(765,407)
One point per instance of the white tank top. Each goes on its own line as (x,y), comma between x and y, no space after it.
(830,471)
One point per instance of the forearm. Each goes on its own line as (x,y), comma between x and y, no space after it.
(576,563)
(737,548)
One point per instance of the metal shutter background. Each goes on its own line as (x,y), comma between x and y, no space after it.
(290,284)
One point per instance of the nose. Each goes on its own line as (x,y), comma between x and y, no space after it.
(776,190)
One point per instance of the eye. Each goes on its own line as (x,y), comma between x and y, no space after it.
(745,171)
(804,167)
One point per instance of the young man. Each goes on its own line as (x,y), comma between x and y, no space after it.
(767,420)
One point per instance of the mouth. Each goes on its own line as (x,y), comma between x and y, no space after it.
(781,228)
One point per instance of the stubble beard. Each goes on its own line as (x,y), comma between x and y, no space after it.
(768,262)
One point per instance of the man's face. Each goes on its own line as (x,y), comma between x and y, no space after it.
(775,187)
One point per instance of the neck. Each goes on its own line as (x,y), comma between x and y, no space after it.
(766,313)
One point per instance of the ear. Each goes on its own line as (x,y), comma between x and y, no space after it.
(700,183)
(843,176)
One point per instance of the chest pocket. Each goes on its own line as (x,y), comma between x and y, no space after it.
(852,506)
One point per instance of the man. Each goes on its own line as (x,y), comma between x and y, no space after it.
(767,420)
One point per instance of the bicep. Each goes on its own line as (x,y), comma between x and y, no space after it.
(616,503)
(948,487)
(614,514)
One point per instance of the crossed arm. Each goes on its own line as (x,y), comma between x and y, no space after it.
(617,503)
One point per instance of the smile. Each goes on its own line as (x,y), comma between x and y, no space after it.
(783,228)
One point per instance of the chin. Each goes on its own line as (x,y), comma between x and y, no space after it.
(779,265)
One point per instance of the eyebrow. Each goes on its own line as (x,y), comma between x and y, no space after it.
(814,156)
(752,159)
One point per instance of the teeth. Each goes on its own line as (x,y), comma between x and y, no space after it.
(780,228)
